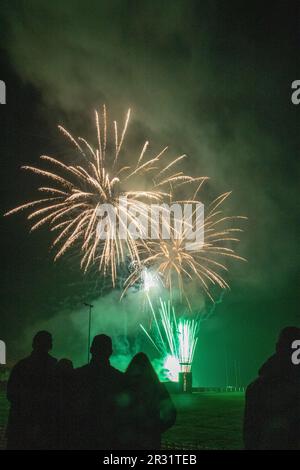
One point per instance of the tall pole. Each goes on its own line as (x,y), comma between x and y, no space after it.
(236,374)
(90,306)
(226,369)
(240,381)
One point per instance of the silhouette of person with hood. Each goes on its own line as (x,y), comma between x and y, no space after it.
(272,408)
(65,411)
(150,410)
(99,387)
(30,391)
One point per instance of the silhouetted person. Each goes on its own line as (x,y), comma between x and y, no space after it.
(272,408)
(30,392)
(150,410)
(65,407)
(98,394)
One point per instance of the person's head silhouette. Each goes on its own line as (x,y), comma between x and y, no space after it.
(140,368)
(64,369)
(42,342)
(286,338)
(101,348)
(65,365)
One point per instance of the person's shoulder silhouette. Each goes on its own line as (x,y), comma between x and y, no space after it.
(64,406)
(272,407)
(280,365)
(30,392)
(28,370)
(99,387)
(101,351)
(150,408)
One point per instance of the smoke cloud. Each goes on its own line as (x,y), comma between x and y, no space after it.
(196,80)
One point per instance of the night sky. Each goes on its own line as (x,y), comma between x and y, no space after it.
(208,78)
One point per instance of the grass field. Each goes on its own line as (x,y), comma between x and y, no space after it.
(208,420)
(205,420)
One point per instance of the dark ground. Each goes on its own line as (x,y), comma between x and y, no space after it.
(206,420)
(209,420)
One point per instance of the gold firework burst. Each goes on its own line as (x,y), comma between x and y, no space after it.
(76,192)
(176,260)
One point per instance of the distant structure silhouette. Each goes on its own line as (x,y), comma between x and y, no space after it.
(272,408)
(30,391)
(99,388)
(150,410)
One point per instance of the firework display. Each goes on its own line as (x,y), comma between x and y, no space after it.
(175,338)
(149,228)
(78,193)
(176,261)
(98,182)
(72,205)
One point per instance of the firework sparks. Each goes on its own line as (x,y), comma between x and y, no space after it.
(175,339)
(76,192)
(175,260)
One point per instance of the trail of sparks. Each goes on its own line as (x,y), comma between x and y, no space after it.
(173,338)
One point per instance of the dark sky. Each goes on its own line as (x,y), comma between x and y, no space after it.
(208,78)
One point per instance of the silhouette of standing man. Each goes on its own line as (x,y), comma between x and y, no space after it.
(30,392)
(98,394)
